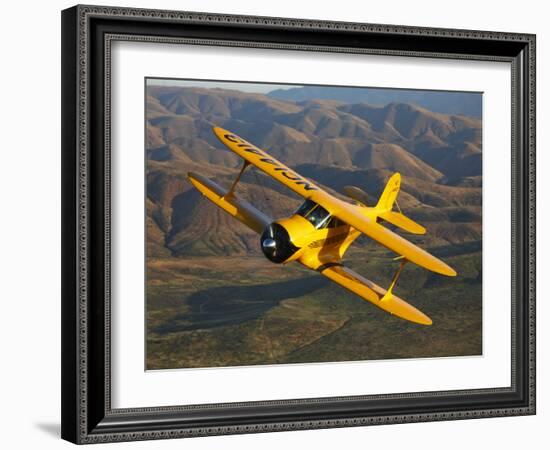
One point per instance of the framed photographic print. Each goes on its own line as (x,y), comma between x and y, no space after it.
(280,224)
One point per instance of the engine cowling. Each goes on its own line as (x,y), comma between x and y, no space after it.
(276,244)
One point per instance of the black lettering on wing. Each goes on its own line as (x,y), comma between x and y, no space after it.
(253,150)
(270,161)
(307,186)
(286,175)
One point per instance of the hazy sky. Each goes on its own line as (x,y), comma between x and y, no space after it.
(448,102)
(261,88)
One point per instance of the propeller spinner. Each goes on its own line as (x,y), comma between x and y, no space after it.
(276,244)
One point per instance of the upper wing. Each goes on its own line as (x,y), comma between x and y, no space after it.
(232,203)
(370,291)
(344,211)
(350,214)
(266,163)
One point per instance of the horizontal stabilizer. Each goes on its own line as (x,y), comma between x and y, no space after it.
(373,293)
(230,203)
(403,222)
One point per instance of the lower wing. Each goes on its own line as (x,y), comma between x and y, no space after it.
(373,293)
(230,203)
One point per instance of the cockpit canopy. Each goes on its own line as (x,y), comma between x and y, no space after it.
(318,216)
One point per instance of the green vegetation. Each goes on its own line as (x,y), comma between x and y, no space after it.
(271,314)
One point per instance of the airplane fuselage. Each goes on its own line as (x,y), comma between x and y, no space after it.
(296,238)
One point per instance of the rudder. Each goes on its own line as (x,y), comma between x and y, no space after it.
(385,205)
(391,191)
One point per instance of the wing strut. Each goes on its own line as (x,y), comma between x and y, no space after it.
(389,294)
(234,185)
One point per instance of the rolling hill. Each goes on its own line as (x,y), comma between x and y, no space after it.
(439,101)
(332,142)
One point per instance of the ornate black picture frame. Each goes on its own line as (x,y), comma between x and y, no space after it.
(87,35)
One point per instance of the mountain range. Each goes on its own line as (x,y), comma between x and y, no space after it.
(333,142)
(447,102)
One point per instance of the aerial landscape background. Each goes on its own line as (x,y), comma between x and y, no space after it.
(212,299)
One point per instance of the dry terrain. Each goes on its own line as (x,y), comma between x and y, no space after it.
(213,300)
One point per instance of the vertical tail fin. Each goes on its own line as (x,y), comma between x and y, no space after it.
(385,205)
(388,197)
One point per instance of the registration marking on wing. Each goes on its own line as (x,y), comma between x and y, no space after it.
(266,163)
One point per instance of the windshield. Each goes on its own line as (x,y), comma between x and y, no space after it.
(315,213)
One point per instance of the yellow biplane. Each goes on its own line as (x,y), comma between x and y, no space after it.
(318,234)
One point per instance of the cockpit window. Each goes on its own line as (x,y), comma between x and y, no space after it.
(306,208)
(334,222)
(315,213)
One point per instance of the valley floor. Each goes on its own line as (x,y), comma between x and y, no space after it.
(239,311)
